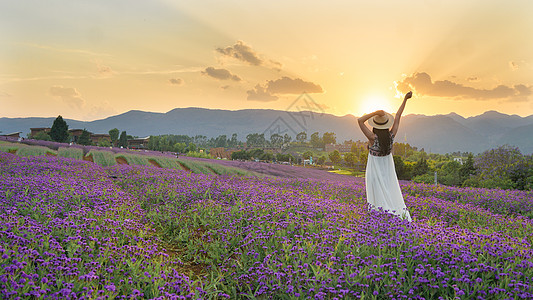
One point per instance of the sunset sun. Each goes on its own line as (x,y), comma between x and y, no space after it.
(373,103)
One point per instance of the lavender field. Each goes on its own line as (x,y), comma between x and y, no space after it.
(72,229)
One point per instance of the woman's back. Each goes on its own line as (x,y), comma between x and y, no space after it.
(385,147)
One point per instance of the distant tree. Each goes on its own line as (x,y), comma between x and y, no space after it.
(267,156)
(301,137)
(307,154)
(59,130)
(104,143)
(329,138)
(256,153)
(335,157)
(468,169)
(41,135)
(350,158)
(233,142)
(363,156)
(449,174)
(505,167)
(85,138)
(200,140)
(287,139)
(255,139)
(123,140)
(354,148)
(241,154)
(221,141)
(191,147)
(179,147)
(421,167)
(321,160)
(276,140)
(316,140)
(113,133)
(402,171)
(285,157)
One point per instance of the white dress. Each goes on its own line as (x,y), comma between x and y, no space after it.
(382,187)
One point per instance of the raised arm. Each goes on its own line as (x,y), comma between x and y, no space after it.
(398,116)
(368,133)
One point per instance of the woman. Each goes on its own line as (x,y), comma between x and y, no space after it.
(382,187)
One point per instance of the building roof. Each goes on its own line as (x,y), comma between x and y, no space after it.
(12,133)
(140,139)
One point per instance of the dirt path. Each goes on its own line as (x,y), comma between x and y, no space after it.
(88,158)
(154,163)
(121,160)
(184,167)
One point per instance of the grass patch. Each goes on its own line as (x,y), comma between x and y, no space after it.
(349,172)
(9,147)
(167,162)
(223,170)
(103,158)
(140,160)
(196,166)
(26,151)
(201,167)
(75,153)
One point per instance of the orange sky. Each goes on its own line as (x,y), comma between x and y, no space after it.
(88,60)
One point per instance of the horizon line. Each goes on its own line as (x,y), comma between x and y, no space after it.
(265,109)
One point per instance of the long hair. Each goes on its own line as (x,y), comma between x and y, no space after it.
(384,140)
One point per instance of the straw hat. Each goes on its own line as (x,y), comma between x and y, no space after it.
(381,122)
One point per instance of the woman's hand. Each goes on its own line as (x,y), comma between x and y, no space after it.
(408,95)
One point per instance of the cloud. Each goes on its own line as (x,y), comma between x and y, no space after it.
(66,50)
(242,52)
(473,79)
(69,95)
(5,94)
(513,65)
(99,112)
(225,87)
(221,74)
(104,71)
(176,81)
(245,53)
(259,93)
(286,85)
(422,84)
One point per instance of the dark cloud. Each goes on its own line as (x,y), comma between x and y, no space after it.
(242,52)
(176,81)
(259,93)
(69,95)
(284,85)
(423,85)
(245,53)
(523,90)
(221,74)
(473,79)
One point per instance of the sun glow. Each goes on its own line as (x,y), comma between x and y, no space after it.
(373,103)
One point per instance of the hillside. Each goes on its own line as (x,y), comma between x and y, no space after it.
(440,133)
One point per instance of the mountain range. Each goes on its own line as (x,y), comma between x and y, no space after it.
(438,134)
